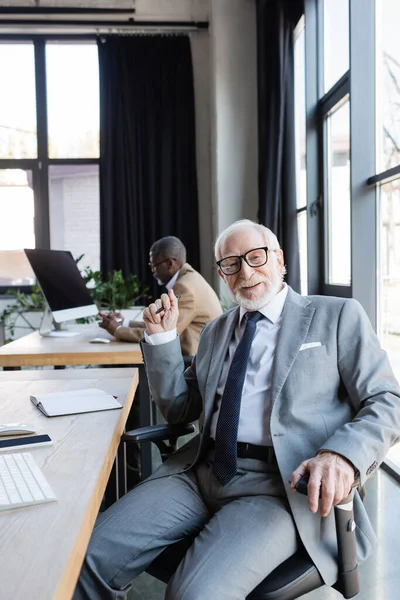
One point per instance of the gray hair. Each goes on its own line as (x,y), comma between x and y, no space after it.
(270,238)
(169,247)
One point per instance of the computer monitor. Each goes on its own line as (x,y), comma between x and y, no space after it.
(62,286)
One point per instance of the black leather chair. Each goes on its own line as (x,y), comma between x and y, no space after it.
(294,577)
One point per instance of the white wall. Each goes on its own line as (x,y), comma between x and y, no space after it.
(201,72)
(234,111)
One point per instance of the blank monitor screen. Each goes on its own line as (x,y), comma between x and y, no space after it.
(62,284)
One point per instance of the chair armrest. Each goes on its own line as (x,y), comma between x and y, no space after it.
(348,581)
(157,432)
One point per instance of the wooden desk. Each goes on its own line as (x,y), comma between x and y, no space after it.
(43,546)
(33,350)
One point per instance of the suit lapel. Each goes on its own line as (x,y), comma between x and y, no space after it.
(222,337)
(296,318)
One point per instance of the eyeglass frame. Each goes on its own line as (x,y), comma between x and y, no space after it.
(155,265)
(242,257)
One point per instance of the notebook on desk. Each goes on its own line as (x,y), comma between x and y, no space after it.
(74,402)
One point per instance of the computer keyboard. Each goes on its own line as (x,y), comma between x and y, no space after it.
(22,483)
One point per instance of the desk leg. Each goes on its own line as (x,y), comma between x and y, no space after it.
(121,470)
(145,419)
(117,482)
(111,491)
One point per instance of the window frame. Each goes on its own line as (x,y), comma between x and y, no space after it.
(359,83)
(40,165)
(365,178)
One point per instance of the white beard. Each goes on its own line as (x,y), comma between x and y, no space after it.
(274,287)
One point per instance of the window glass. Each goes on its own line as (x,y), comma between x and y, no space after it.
(389,285)
(300,142)
(388,84)
(16,207)
(302,233)
(389,280)
(72,76)
(338,195)
(17,101)
(300,118)
(75,212)
(336,41)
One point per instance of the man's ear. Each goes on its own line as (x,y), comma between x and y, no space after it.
(220,273)
(280,258)
(172,265)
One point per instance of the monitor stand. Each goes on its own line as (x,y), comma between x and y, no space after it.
(46,326)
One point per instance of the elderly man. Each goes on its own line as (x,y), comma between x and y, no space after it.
(283,386)
(198,302)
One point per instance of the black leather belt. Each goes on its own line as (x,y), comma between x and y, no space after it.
(244,450)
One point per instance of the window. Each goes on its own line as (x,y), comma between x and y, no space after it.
(338,195)
(74,211)
(300,141)
(72,100)
(388,84)
(336,41)
(49,153)
(18,137)
(353,159)
(16,206)
(389,284)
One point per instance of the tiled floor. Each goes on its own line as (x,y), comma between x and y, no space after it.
(380,576)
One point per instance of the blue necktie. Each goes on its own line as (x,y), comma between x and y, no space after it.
(225,457)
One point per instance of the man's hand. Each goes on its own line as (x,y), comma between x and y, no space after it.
(329,473)
(165,320)
(110,322)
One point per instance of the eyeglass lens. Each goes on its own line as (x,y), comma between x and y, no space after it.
(254,258)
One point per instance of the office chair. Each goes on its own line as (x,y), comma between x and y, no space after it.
(295,576)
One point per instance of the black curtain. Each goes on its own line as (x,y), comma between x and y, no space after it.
(148,181)
(276,20)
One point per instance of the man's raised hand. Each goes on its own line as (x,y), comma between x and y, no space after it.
(165,320)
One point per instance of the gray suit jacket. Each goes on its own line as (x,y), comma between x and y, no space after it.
(340,395)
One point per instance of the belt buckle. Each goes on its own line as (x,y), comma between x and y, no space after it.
(242,449)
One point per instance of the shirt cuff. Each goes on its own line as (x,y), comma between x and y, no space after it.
(156,339)
(125,323)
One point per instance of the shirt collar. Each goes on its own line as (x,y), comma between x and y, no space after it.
(172,281)
(273,309)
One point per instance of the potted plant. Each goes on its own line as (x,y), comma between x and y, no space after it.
(116,292)
(23,312)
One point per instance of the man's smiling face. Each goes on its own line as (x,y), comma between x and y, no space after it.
(252,287)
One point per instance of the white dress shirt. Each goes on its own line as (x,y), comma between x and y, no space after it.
(255,410)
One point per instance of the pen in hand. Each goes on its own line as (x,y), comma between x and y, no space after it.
(162,308)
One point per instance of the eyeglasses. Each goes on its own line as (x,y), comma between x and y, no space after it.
(154,265)
(254,258)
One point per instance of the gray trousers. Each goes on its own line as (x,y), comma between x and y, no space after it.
(243,531)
